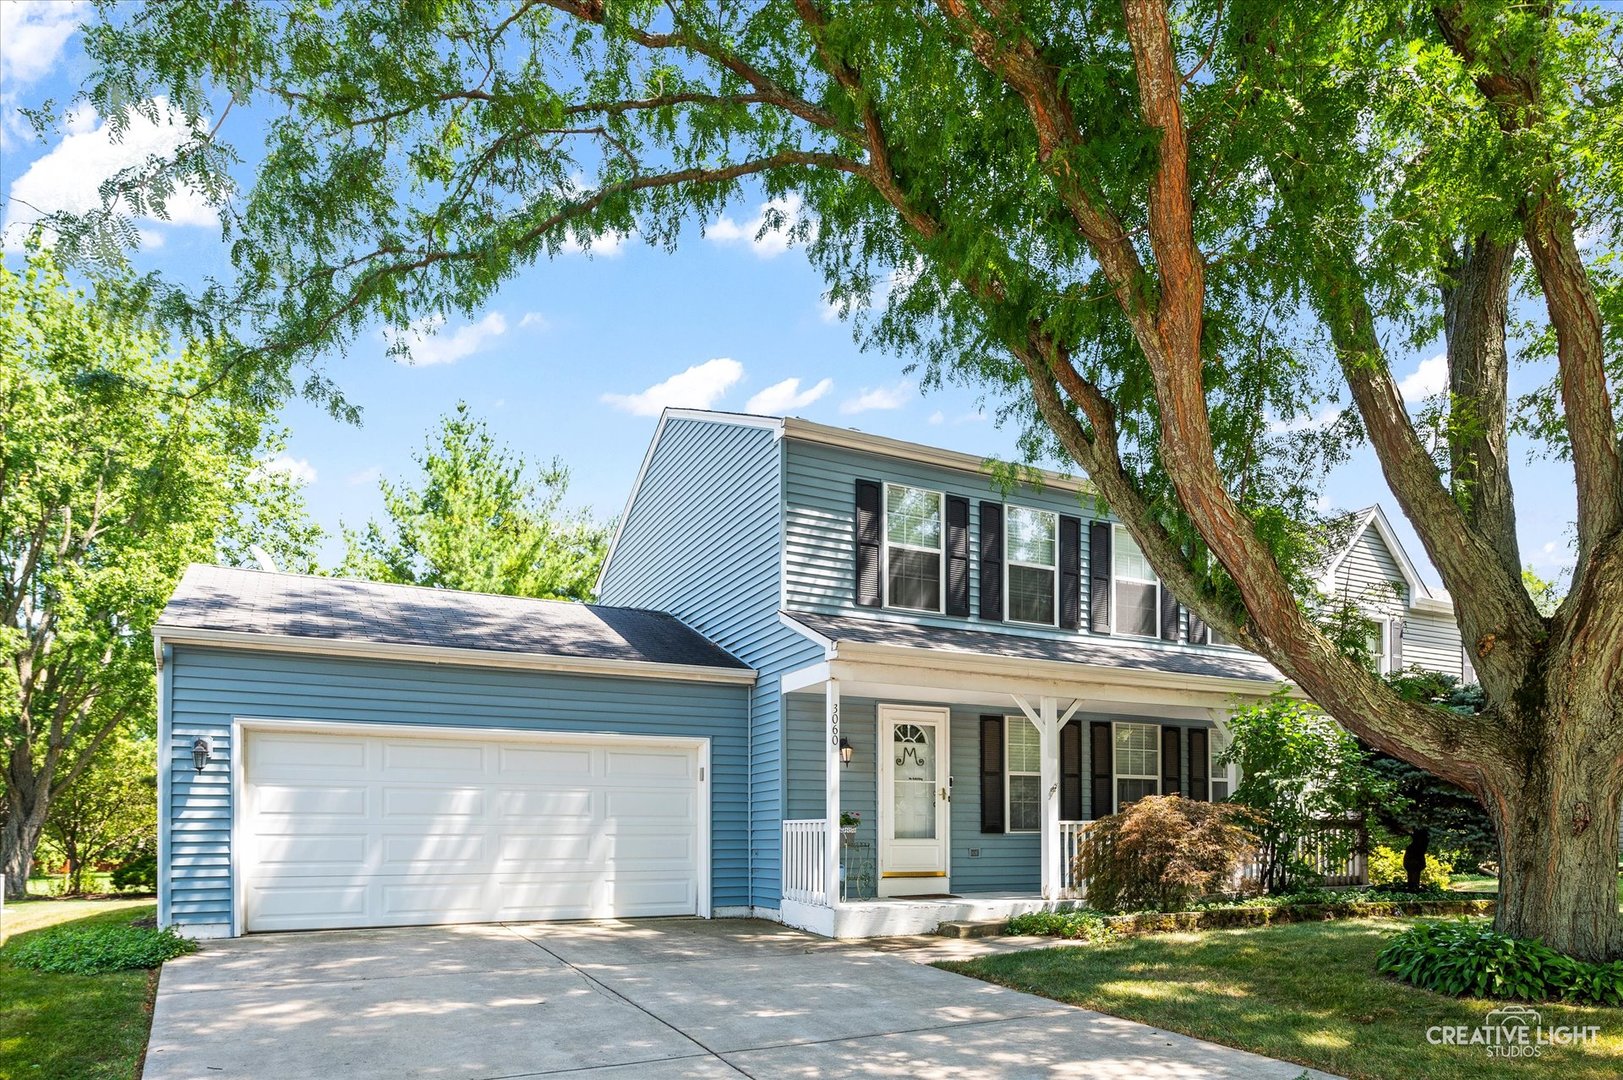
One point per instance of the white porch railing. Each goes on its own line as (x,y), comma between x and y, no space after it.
(804,845)
(1071,887)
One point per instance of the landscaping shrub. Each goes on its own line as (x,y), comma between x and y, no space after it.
(1079,924)
(1471,959)
(1386,868)
(1162,852)
(91,950)
(137,874)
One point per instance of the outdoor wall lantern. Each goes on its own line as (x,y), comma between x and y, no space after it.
(201,753)
(846,750)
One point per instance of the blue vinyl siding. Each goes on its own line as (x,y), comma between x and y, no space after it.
(211,687)
(702,540)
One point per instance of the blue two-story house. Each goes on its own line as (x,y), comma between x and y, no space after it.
(799,625)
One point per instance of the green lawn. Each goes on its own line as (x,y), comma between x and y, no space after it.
(72,1027)
(1482,883)
(1305,992)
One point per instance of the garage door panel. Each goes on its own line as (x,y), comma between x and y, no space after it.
(438,760)
(433,803)
(345,831)
(535,804)
(544,763)
(330,800)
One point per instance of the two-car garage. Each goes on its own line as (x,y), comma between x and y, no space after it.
(343,754)
(340,828)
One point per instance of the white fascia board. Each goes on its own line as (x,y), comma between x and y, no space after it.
(808,633)
(439,654)
(884,446)
(1049,671)
(1420,594)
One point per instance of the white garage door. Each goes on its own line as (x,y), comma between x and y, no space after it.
(351,830)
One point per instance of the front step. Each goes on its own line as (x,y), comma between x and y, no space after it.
(972,928)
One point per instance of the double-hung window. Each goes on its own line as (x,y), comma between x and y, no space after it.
(1219,773)
(913,545)
(1379,651)
(1032,550)
(1137,604)
(1138,761)
(1024,784)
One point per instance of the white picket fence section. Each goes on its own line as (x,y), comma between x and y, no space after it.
(804,842)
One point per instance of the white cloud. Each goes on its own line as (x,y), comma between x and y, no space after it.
(429,346)
(879,397)
(1430,378)
(779,398)
(368,475)
(699,387)
(34,32)
(606,246)
(535,319)
(1316,422)
(767,233)
(69,177)
(938,417)
(299,470)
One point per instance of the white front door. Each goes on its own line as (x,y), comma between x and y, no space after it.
(914,789)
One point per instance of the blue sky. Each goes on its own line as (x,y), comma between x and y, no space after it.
(575,356)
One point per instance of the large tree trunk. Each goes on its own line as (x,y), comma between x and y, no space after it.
(1558,848)
(19,838)
(1414,859)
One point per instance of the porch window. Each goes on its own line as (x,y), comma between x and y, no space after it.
(1024,784)
(1032,547)
(1137,606)
(913,541)
(1138,762)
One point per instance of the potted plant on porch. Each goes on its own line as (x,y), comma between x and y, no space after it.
(849,820)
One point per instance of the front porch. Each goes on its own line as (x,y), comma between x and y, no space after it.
(974,779)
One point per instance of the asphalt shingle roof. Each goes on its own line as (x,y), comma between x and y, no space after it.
(1106,652)
(338,609)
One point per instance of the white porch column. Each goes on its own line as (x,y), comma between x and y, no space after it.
(831,792)
(1048,721)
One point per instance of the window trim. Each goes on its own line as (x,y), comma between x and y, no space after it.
(1009,563)
(1115,605)
(1117,776)
(1008,773)
(940,549)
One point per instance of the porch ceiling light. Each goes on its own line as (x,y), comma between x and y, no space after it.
(846,750)
(202,753)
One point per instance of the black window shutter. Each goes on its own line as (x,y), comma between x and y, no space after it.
(1197,630)
(992,561)
(1169,615)
(1200,786)
(992,774)
(870,582)
(957,556)
(1070,573)
(1171,761)
(1099,577)
(1101,773)
(1070,771)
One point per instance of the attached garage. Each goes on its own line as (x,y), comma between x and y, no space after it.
(340,828)
(341,754)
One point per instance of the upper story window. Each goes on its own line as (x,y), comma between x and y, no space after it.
(1379,646)
(913,547)
(1136,605)
(1032,557)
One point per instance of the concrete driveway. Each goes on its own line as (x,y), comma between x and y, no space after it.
(657,998)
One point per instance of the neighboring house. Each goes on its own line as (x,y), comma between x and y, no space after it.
(798,621)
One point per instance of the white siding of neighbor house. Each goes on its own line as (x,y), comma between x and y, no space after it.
(1369,576)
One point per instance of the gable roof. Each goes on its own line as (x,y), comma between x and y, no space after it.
(240,608)
(1373,517)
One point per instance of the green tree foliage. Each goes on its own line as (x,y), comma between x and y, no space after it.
(118,467)
(1547,595)
(1299,771)
(109,814)
(480,518)
(1181,240)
